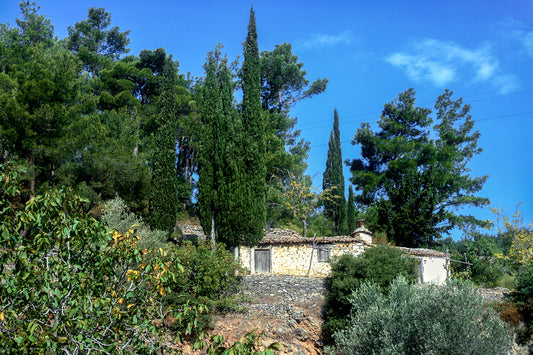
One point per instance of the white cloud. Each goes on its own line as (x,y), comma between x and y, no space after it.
(507,83)
(441,63)
(525,38)
(322,40)
(528,42)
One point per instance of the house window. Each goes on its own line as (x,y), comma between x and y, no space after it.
(324,252)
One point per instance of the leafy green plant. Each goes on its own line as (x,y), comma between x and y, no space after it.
(69,286)
(116,216)
(380,264)
(522,300)
(208,273)
(451,319)
(250,343)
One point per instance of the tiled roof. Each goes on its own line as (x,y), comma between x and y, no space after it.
(422,252)
(284,239)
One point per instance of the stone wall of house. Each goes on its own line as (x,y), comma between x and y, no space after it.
(295,259)
(432,270)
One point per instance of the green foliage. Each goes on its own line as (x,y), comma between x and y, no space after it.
(481,251)
(283,84)
(300,198)
(250,344)
(164,187)
(450,319)
(39,98)
(94,43)
(210,273)
(380,264)
(253,122)
(107,162)
(333,181)
(283,81)
(413,179)
(517,236)
(522,301)
(116,216)
(221,166)
(68,286)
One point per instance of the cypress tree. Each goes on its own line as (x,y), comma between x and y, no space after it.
(333,180)
(254,141)
(164,189)
(209,157)
(231,193)
(350,211)
(221,164)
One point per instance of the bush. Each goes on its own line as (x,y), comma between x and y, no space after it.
(211,274)
(116,216)
(429,320)
(380,264)
(522,300)
(69,286)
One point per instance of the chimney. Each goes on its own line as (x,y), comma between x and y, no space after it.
(362,233)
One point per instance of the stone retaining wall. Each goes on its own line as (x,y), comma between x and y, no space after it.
(273,294)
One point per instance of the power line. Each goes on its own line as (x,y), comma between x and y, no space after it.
(516,91)
(480,120)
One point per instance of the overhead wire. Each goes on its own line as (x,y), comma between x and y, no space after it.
(516,91)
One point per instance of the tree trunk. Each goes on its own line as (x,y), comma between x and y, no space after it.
(304,222)
(213,236)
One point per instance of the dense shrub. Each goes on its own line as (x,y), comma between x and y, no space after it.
(380,264)
(209,273)
(522,299)
(116,216)
(451,319)
(485,268)
(68,286)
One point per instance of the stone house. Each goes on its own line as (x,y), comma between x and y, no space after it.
(285,252)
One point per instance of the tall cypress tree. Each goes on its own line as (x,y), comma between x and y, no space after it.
(254,140)
(231,192)
(350,211)
(164,189)
(333,179)
(209,157)
(221,182)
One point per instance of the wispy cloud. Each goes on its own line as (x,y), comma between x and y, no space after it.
(519,32)
(324,40)
(526,40)
(442,63)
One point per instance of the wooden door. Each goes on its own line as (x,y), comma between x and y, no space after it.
(262,261)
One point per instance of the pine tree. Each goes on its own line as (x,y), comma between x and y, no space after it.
(335,201)
(254,140)
(417,182)
(350,211)
(163,200)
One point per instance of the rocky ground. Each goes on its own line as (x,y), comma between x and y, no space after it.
(287,309)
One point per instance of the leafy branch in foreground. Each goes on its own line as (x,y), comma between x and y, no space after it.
(69,286)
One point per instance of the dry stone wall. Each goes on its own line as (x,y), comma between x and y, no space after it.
(288,309)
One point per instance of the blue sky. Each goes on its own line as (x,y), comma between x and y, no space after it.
(370,51)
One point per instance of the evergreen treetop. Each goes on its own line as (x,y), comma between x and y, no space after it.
(333,178)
